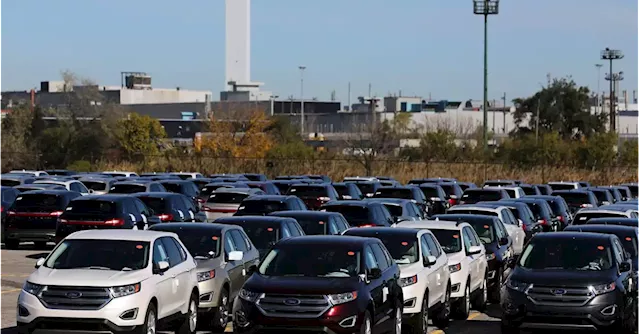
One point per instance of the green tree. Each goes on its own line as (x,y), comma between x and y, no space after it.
(439,145)
(564,107)
(597,151)
(628,153)
(139,134)
(17,145)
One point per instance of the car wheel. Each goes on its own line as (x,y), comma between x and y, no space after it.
(421,320)
(463,305)
(12,243)
(367,326)
(150,321)
(188,325)
(495,294)
(441,320)
(397,319)
(480,302)
(221,316)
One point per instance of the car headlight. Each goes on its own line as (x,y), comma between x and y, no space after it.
(603,288)
(455,268)
(207,275)
(517,285)
(491,256)
(32,288)
(250,296)
(342,298)
(125,290)
(406,281)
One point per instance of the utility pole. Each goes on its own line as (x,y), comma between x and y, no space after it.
(493,125)
(611,55)
(537,119)
(302,68)
(504,113)
(485,8)
(349,96)
(613,79)
(599,67)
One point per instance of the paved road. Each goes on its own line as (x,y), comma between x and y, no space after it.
(18,264)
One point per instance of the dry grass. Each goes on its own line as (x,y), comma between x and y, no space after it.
(402,171)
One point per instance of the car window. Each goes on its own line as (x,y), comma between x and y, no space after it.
(426,252)
(175,258)
(503,230)
(381,259)
(140,207)
(246,239)
(159,253)
(434,245)
(238,241)
(183,253)
(293,229)
(229,244)
(334,226)
(286,233)
(370,258)
(467,239)
(618,250)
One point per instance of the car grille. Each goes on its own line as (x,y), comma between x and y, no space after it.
(559,296)
(293,306)
(74,298)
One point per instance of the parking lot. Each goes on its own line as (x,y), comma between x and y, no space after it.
(18,264)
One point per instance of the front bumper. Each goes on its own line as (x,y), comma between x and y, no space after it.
(458,283)
(48,235)
(600,312)
(32,315)
(209,294)
(413,297)
(247,318)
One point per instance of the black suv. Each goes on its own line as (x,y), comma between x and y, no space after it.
(171,207)
(550,287)
(317,223)
(405,192)
(262,205)
(314,195)
(361,213)
(628,235)
(322,284)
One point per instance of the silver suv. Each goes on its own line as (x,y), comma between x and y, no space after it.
(224,255)
(112,281)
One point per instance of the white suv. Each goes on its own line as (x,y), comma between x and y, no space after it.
(112,281)
(467,263)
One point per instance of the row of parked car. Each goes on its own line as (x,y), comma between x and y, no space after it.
(402,269)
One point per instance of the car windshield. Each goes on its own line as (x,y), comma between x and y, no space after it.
(394,193)
(95,185)
(313,226)
(261,207)
(484,229)
(262,236)
(430,192)
(497,183)
(448,239)
(334,261)
(562,186)
(567,254)
(157,204)
(394,209)
(9,183)
(341,189)
(355,215)
(511,192)
(481,196)
(583,217)
(39,203)
(308,191)
(121,255)
(575,199)
(529,190)
(602,195)
(92,206)
(227,198)
(449,189)
(173,187)
(201,243)
(630,244)
(403,248)
(366,188)
(634,189)
(474,212)
(127,188)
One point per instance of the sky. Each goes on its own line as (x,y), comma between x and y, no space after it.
(414,47)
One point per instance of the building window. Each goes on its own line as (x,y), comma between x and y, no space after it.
(403,106)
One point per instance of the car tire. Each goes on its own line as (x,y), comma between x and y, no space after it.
(189,324)
(397,318)
(150,321)
(220,317)
(507,327)
(494,296)
(463,305)
(367,324)
(442,319)
(480,301)
(12,243)
(420,322)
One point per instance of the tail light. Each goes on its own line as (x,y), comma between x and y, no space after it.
(56,213)
(368,225)
(324,199)
(586,205)
(114,222)
(1,208)
(200,200)
(11,213)
(561,219)
(165,217)
(542,221)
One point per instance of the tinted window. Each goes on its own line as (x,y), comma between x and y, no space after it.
(313,226)
(481,195)
(366,188)
(308,191)
(575,199)
(261,207)
(337,261)
(198,242)
(262,236)
(543,254)
(394,209)
(582,217)
(175,258)
(529,190)
(474,212)
(239,241)
(562,186)
(157,204)
(95,185)
(9,183)
(39,203)
(433,245)
(127,188)
(173,187)
(430,192)
(119,255)
(394,193)
(355,215)
(449,240)
(92,206)
(370,258)
(380,257)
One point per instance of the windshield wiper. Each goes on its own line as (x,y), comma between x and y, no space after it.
(201,257)
(95,268)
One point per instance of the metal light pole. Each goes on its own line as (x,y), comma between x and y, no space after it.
(611,55)
(485,8)
(302,68)
(598,66)
(613,80)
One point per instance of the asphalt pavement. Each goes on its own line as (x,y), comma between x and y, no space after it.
(18,264)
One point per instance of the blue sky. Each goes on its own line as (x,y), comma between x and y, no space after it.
(415,46)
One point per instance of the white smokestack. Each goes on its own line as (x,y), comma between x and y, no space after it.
(238,41)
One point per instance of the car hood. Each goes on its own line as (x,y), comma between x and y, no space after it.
(301,285)
(412,269)
(86,277)
(563,278)
(209,264)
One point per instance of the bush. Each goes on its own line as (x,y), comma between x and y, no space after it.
(80,166)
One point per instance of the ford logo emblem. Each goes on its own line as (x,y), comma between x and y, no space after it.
(559,291)
(292,301)
(74,294)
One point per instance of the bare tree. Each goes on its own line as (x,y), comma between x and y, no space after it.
(370,142)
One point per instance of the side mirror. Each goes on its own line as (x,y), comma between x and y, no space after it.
(504,241)
(39,263)
(374,273)
(625,267)
(162,267)
(473,250)
(431,260)
(235,256)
